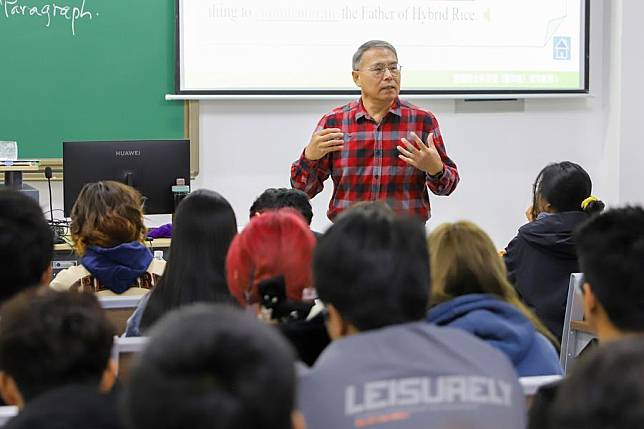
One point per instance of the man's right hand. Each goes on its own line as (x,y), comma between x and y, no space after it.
(324,141)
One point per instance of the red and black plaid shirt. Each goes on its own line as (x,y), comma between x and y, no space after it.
(368,167)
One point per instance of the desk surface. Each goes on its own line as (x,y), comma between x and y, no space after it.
(157,243)
(19,167)
(583,326)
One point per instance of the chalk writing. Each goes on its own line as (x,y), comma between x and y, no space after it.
(48,12)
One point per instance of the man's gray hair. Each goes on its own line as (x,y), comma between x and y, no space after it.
(371,44)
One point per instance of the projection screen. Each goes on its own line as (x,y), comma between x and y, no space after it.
(444,46)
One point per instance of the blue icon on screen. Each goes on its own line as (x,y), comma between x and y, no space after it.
(561,48)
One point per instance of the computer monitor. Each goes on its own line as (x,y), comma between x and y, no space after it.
(150,166)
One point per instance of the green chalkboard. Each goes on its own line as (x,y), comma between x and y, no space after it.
(86,70)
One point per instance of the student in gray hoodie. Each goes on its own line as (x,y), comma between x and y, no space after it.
(385,365)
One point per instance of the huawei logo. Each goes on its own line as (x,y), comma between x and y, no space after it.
(128,153)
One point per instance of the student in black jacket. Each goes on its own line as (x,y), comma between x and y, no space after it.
(542,255)
(605,391)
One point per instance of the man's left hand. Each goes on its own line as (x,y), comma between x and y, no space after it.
(423,156)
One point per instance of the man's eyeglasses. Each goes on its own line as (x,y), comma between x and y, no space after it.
(379,70)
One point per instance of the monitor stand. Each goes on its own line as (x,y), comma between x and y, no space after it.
(13,180)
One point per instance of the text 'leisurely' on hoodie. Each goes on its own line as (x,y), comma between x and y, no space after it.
(502,326)
(410,376)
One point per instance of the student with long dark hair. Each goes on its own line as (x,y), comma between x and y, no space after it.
(203,229)
(543,254)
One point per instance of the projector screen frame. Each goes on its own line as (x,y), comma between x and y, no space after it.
(181,94)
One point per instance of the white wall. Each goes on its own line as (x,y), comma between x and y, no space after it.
(247,146)
(627,16)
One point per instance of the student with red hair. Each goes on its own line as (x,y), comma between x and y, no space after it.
(268,268)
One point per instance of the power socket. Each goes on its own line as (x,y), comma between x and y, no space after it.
(61,265)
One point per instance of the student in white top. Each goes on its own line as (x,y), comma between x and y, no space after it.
(108,232)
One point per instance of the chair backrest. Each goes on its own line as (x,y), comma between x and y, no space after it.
(571,341)
(124,349)
(7,413)
(119,309)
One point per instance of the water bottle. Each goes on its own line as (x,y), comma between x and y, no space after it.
(179,191)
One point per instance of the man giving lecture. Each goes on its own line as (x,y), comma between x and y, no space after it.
(378,147)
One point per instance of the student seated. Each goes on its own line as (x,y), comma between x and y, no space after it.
(278,198)
(610,248)
(386,366)
(26,244)
(204,225)
(108,232)
(611,252)
(542,256)
(269,270)
(470,291)
(212,366)
(55,358)
(604,391)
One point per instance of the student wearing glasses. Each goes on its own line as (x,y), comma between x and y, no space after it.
(378,147)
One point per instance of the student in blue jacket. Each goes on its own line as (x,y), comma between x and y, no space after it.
(470,291)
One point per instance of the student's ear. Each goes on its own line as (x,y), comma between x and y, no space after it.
(9,391)
(297,420)
(47,275)
(590,304)
(109,377)
(336,326)
(543,205)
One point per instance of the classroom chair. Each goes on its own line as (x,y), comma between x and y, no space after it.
(119,309)
(576,333)
(123,350)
